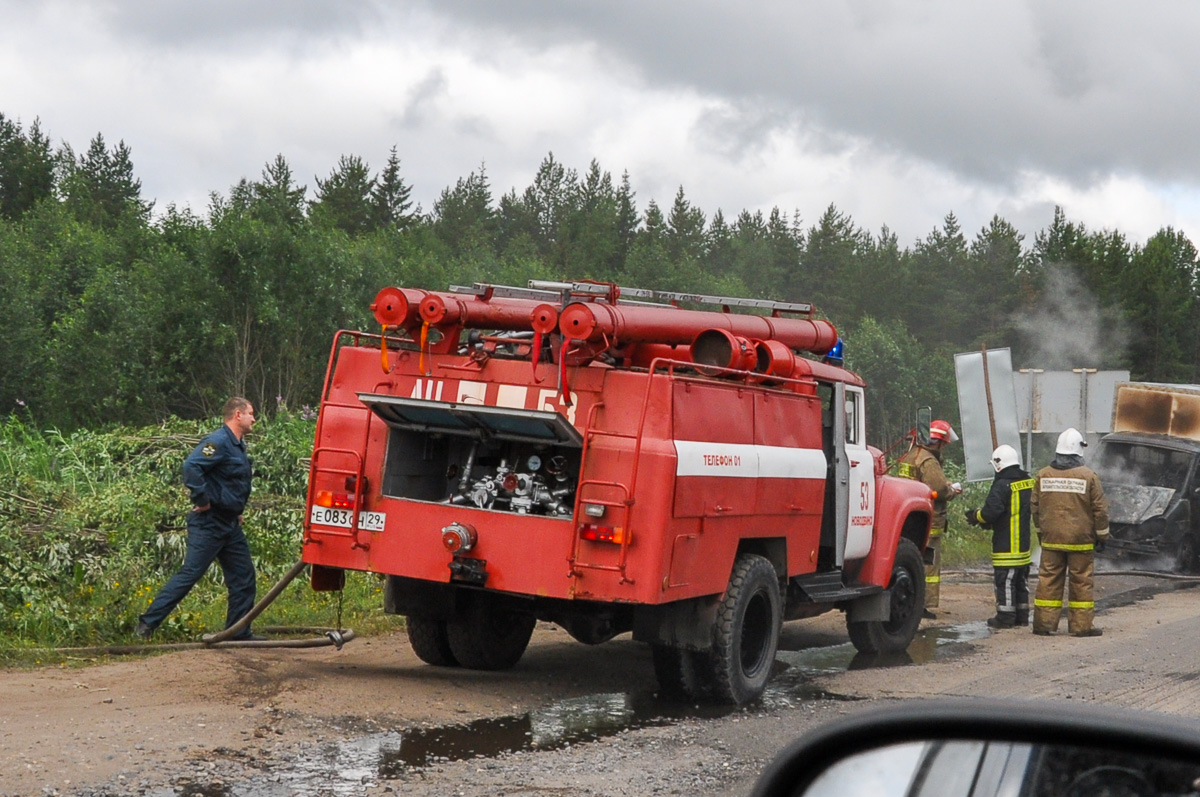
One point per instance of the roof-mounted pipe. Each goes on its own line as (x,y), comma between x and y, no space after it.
(398,307)
(621,324)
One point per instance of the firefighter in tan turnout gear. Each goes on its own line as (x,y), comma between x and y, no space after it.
(924,463)
(1071,514)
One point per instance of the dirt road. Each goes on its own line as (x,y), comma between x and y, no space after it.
(371,719)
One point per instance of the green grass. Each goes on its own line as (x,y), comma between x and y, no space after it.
(93,523)
(963,545)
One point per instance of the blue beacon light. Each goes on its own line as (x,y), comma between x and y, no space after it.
(834,357)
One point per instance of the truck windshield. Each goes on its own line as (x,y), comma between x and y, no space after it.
(1139,464)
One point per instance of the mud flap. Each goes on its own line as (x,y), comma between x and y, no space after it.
(413,596)
(683,624)
(870,608)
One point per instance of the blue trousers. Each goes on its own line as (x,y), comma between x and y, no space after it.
(209,538)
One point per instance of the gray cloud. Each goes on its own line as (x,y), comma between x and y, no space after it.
(898,113)
(235,23)
(1080,90)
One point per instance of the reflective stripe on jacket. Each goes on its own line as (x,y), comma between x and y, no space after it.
(1006,511)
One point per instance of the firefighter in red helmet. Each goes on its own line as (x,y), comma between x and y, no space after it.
(923,462)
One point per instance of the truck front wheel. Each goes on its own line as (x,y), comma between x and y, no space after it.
(908,599)
(430,641)
(488,635)
(746,633)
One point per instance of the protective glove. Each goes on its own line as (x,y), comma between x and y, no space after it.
(972,517)
(1100,543)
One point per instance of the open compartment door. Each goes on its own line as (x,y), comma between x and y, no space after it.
(476,421)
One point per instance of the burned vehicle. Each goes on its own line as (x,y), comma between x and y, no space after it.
(1148,467)
(1150,483)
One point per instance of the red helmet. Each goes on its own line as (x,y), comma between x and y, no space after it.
(942,431)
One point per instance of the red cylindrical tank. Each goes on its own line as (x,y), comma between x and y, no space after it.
(398,307)
(775,359)
(723,349)
(640,355)
(595,321)
(442,309)
(779,361)
(545,318)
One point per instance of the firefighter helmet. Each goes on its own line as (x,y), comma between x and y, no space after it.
(942,431)
(1070,442)
(1004,457)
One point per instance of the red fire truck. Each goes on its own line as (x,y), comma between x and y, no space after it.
(600,458)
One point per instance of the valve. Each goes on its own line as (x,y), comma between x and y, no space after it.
(459,537)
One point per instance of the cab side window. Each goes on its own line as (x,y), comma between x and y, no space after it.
(854,420)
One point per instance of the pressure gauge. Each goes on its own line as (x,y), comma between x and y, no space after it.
(534,463)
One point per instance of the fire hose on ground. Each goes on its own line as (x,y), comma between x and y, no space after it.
(223,639)
(1146,573)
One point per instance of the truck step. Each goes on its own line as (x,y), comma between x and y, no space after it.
(828,588)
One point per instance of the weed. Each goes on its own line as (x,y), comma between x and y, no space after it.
(93,523)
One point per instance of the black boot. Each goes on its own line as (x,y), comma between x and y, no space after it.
(1002,620)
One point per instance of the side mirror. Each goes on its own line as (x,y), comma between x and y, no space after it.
(986,748)
(924,419)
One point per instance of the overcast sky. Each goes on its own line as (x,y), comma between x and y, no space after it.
(898,113)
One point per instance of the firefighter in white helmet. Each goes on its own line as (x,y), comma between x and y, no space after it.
(1006,511)
(924,463)
(1071,514)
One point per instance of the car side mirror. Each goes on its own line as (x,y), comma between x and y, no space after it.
(987,748)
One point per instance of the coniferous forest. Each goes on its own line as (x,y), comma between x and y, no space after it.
(115,311)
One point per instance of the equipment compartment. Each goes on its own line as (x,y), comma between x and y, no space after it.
(503,459)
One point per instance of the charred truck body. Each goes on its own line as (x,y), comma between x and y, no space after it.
(562,453)
(1148,467)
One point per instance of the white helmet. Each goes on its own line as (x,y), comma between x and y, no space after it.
(1070,442)
(1004,457)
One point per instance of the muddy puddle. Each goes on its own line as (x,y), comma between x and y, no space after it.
(343,768)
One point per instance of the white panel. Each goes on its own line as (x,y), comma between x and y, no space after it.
(512,396)
(747,461)
(777,462)
(973,404)
(471,392)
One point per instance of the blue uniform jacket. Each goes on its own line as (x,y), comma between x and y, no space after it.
(218,472)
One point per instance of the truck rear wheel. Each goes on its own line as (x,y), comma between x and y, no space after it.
(429,640)
(746,633)
(487,635)
(908,599)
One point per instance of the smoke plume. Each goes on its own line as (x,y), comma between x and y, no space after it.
(1069,328)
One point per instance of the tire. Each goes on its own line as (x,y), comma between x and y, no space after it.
(429,641)
(682,674)
(746,633)
(486,635)
(908,599)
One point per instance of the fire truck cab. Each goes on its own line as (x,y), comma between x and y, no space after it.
(602,459)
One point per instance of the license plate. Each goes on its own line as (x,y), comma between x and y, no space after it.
(328,516)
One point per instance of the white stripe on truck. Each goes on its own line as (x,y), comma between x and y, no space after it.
(740,461)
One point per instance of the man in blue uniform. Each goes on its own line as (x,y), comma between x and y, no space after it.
(217,473)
